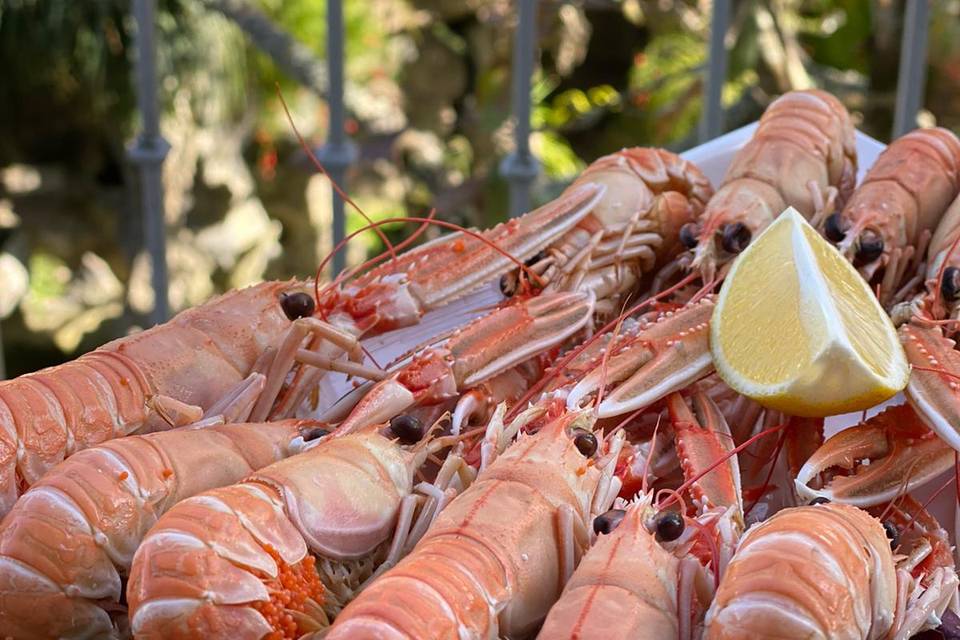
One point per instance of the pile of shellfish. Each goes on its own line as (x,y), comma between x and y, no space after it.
(512,433)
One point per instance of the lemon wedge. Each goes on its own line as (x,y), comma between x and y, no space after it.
(798,330)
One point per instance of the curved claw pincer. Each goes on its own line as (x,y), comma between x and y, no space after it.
(664,356)
(890,454)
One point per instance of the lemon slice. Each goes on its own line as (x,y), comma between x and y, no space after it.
(797,329)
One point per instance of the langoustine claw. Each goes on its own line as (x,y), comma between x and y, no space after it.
(876,460)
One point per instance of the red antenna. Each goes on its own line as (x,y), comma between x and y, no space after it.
(427,221)
(316,162)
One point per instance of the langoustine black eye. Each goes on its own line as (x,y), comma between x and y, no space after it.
(586,443)
(408,429)
(688,235)
(297,305)
(892,534)
(833,228)
(735,237)
(869,247)
(950,287)
(607,522)
(669,525)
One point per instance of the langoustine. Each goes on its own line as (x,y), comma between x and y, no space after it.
(497,556)
(854,590)
(927,322)
(277,555)
(803,154)
(233,356)
(876,460)
(626,587)
(168,376)
(888,221)
(68,543)
(634,584)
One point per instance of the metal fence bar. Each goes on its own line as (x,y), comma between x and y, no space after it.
(338,153)
(912,77)
(521,168)
(148,152)
(711,120)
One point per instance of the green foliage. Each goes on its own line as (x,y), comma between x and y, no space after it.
(65,70)
(837,32)
(364,43)
(665,80)
(558,158)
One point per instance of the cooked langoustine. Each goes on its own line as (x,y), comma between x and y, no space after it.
(633,585)
(204,359)
(67,545)
(651,356)
(630,586)
(277,555)
(635,227)
(427,280)
(892,214)
(625,587)
(497,556)
(823,571)
(876,460)
(803,154)
(648,195)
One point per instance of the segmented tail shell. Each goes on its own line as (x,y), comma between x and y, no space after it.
(71,538)
(252,557)
(823,571)
(804,146)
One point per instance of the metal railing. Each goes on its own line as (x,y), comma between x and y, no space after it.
(148,152)
(520,168)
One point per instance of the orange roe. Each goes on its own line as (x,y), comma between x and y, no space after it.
(289,591)
(166,473)
(458,246)
(123,476)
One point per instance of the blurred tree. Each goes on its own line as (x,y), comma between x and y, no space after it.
(428,99)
